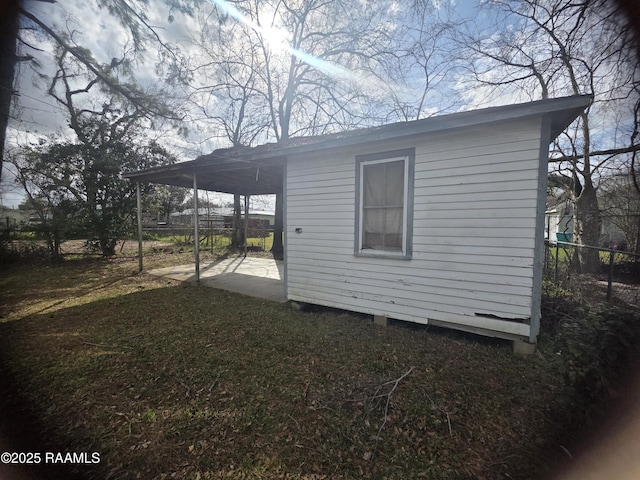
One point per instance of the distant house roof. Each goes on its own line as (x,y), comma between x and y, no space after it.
(201,211)
(220,211)
(259,170)
(228,211)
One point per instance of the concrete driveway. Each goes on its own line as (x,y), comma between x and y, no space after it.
(256,277)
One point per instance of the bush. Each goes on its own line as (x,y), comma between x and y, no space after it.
(150,236)
(23,252)
(593,345)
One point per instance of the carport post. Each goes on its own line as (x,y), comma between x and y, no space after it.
(139,207)
(196,231)
(246,222)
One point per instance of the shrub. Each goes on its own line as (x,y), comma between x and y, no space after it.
(593,345)
(23,252)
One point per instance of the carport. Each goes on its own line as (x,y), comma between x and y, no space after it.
(239,170)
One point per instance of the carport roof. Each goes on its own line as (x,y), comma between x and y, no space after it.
(224,170)
(259,170)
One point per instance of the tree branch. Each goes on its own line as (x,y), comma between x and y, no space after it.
(106,79)
(611,151)
(394,384)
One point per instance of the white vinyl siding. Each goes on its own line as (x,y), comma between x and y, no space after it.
(473,234)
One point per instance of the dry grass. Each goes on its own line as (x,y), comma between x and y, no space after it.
(170,380)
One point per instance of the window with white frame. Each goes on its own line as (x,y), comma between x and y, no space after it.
(385,203)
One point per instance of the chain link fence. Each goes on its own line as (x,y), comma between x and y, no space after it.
(259,236)
(594,273)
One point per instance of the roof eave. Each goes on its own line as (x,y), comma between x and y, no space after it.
(560,111)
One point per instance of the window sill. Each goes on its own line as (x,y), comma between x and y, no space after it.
(382,254)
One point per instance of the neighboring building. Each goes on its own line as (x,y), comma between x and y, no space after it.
(257,218)
(14,217)
(618,229)
(559,222)
(436,221)
(221,217)
(207,217)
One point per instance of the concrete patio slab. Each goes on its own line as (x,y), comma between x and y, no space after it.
(256,277)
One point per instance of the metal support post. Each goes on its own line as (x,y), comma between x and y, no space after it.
(196,230)
(139,212)
(246,223)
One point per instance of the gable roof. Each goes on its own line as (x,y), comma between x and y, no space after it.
(259,170)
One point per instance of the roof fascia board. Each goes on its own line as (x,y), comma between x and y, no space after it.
(196,166)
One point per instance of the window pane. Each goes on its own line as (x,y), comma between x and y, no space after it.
(373,228)
(394,183)
(393,228)
(372,241)
(374,184)
(382,228)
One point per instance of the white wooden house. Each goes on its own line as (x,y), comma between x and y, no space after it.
(559,222)
(619,214)
(436,221)
(13,217)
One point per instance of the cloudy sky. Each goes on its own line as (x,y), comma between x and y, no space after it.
(98,31)
(36,113)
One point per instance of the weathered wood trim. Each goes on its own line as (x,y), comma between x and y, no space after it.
(418,315)
(476,330)
(538,255)
(285,229)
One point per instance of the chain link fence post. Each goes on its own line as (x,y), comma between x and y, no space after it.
(612,255)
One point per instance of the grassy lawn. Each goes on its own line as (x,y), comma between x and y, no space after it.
(171,380)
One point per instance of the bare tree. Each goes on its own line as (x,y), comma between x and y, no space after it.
(227,97)
(555,48)
(286,68)
(423,62)
(9,23)
(316,76)
(620,206)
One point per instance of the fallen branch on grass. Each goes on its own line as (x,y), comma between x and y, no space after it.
(113,345)
(104,345)
(442,410)
(394,384)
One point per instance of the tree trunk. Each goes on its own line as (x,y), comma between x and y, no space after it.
(587,229)
(634,243)
(108,246)
(237,234)
(56,243)
(8,40)
(278,247)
